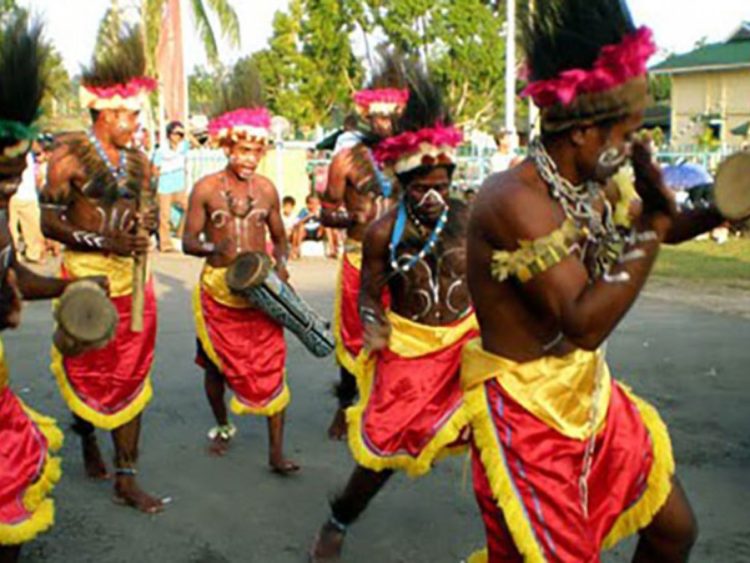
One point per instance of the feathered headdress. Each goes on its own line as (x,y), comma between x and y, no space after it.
(586,61)
(22,83)
(116,78)
(424,135)
(240,111)
(386,93)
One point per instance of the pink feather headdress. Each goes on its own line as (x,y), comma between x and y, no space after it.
(119,96)
(616,65)
(381,101)
(427,147)
(251,123)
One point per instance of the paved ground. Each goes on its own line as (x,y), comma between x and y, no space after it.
(692,364)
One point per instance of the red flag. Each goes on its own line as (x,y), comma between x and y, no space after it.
(170,64)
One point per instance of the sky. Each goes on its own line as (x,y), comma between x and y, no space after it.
(677,24)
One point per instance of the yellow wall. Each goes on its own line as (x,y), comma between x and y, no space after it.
(293,168)
(294,171)
(726,93)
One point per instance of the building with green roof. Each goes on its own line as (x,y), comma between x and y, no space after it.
(711,88)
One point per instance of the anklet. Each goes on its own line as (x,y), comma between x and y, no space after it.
(340,527)
(226,432)
(126,471)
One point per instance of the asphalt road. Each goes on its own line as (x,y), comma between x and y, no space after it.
(692,364)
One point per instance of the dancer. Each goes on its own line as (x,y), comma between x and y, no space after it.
(356,191)
(231,212)
(410,410)
(28,472)
(566,460)
(89,204)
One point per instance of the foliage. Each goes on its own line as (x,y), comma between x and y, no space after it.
(309,68)
(60,96)
(660,87)
(203,89)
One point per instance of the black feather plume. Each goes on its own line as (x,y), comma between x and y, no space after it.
(390,72)
(426,106)
(118,62)
(566,34)
(22,78)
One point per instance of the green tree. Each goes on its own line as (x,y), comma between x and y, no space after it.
(109,27)
(326,45)
(660,86)
(308,68)
(60,97)
(282,67)
(7,6)
(461,42)
(203,87)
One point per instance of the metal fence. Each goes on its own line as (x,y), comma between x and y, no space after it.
(471,170)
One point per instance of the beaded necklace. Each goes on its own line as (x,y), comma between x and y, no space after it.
(119,172)
(404,215)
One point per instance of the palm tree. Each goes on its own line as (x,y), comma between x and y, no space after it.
(228,28)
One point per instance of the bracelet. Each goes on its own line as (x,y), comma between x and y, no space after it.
(632,256)
(620,277)
(643,236)
(369,315)
(340,526)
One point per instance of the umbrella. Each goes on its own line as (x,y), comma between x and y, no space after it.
(742,130)
(329,142)
(686,176)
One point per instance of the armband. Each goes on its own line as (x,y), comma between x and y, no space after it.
(536,256)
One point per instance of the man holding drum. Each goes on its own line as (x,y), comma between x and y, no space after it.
(566,460)
(229,213)
(356,191)
(410,410)
(91,204)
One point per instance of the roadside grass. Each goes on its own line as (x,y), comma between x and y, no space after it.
(706,261)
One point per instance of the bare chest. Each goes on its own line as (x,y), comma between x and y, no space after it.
(433,289)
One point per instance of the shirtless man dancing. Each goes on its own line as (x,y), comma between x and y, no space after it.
(567,461)
(357,190)
(229,212)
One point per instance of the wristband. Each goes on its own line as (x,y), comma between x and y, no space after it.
(369,315)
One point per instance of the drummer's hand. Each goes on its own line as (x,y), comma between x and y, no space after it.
(101,281)
(10,301)
(376,335)
(126,244)
(656,196)
(282,272)
(149,218)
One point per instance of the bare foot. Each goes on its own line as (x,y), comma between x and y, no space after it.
(328,544)
(128,493)
(337,429)
(220,437)
(92,460)
(284,467)
(218,446)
